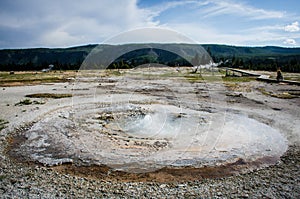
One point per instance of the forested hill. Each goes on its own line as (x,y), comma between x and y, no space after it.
(256,58)
(40,58)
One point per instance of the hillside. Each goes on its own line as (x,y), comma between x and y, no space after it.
(256,58)
(39,58)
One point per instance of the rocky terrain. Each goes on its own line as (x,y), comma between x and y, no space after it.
(23,176)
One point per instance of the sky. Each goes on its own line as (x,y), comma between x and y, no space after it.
(65,23)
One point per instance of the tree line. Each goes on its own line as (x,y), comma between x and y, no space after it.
(253,58)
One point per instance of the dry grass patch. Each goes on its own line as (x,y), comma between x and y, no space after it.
(283,95)
(49,95)
(28,102)
(33,78)
(238,87)
(3,124)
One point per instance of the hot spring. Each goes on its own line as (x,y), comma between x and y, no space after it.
(147,127)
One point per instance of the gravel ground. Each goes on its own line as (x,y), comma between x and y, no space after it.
(279,181)
(21,180)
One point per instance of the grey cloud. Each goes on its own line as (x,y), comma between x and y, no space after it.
(66,23)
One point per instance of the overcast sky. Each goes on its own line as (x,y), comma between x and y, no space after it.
(64,23)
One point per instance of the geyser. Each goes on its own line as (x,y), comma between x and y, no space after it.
(142,138)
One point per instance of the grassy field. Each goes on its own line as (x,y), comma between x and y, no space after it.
(38,77)
(32,77)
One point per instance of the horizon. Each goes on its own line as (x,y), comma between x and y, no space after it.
(35,24)
(84,45)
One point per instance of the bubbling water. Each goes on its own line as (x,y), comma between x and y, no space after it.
(161,121)
(143,138)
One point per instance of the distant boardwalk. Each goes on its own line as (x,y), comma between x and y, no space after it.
(233,72)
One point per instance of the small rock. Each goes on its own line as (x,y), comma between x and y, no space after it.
(219,194)
(163,186)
